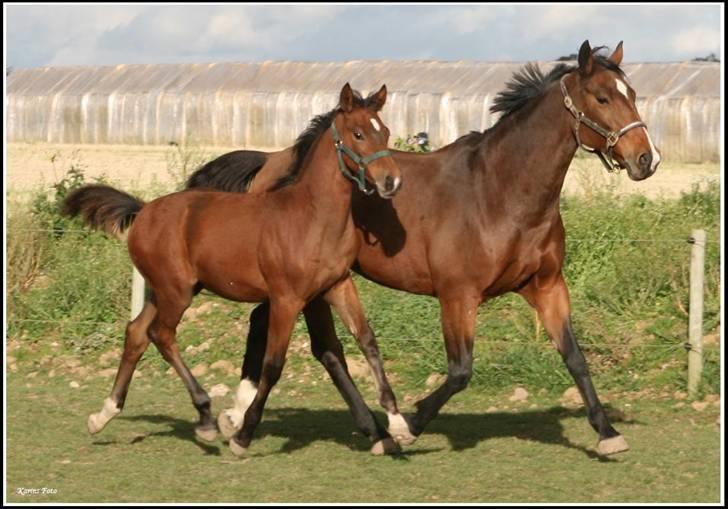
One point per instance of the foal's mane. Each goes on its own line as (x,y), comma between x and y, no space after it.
(308,137)
(530,82)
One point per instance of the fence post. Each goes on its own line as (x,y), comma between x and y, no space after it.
(137,293)
(695,324)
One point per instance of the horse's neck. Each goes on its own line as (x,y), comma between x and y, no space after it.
(535,147)
(324,191)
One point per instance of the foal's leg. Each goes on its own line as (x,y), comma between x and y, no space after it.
(135,344)
(458,316)
(231,419)
(327,349)
(550,296)
(162,332)
(282,319)
(345,300)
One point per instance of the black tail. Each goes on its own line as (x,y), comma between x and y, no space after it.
(232,172)
(103,208)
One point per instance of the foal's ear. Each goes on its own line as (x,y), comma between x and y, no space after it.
(346,98)
(378,99)
(586,60)
(616,57)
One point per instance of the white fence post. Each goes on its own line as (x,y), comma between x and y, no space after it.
(695,324)
(137,293)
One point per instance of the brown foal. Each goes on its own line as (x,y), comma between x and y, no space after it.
(284,247)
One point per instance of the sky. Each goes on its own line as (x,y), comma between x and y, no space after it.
(110,34)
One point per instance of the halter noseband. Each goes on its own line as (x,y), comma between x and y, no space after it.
(360,161)
(612,137)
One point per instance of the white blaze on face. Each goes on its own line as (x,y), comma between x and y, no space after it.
(622,87)
(375,124)
(655,153)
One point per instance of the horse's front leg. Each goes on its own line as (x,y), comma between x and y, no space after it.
(345,300)
(549,295)
(282,318)
(458,314)
(328,350)
(230,420)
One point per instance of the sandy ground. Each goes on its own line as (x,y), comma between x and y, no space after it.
(30,165)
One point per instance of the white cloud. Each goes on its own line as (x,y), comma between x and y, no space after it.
(110,34)
(559,21)
(697,41)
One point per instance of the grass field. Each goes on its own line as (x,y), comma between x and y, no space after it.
(482,448)
(627,267)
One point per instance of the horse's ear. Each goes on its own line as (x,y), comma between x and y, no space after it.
(346,98)
(586,60)
(378,100)
(616,57)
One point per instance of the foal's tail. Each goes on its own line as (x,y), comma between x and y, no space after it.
(103,208)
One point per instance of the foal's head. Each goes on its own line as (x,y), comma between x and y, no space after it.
(600,91)
(362,141)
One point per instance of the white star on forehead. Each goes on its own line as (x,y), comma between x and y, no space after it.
(622,87)
(375,124)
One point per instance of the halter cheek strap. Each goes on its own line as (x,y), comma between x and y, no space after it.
(361,162)
(612,137)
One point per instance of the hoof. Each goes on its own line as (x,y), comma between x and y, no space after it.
(385,446)
(612,445)
(95,423)
(226,425)
(402,436)
(207,434)
(400,431)
(238,450)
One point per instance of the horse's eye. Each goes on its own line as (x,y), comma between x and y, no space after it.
(603,100)
(358,135)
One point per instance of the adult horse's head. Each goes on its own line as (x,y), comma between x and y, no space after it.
(361,141)
(599,96)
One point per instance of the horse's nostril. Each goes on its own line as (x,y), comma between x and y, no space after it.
(645,160)
(389,183)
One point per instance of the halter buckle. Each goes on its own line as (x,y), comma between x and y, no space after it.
(612,139)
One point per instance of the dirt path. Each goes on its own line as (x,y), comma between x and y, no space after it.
(30,165)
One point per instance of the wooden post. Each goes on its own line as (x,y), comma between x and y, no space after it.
(137,293)
(695,324)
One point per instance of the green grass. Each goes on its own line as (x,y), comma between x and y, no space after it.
(627,266)
(68,296)
(306,450)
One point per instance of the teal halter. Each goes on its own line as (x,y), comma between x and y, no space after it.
(361,162)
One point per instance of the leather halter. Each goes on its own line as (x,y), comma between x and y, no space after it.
(612,137)
(360,161)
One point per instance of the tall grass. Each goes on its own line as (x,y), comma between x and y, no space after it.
(627,266)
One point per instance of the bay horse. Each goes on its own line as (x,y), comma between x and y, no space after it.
(284,247)
(477,218)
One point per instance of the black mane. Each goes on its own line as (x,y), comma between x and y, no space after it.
(308,137)
(530,82)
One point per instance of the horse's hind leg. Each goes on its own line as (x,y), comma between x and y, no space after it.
(162,332)
(345,300)
(135,344)
(231,419)
(550,296)
(327,349)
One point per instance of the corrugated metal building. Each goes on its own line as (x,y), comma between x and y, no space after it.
(267,104)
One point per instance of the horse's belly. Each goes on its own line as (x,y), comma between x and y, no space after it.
(234,285)
(398,272)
